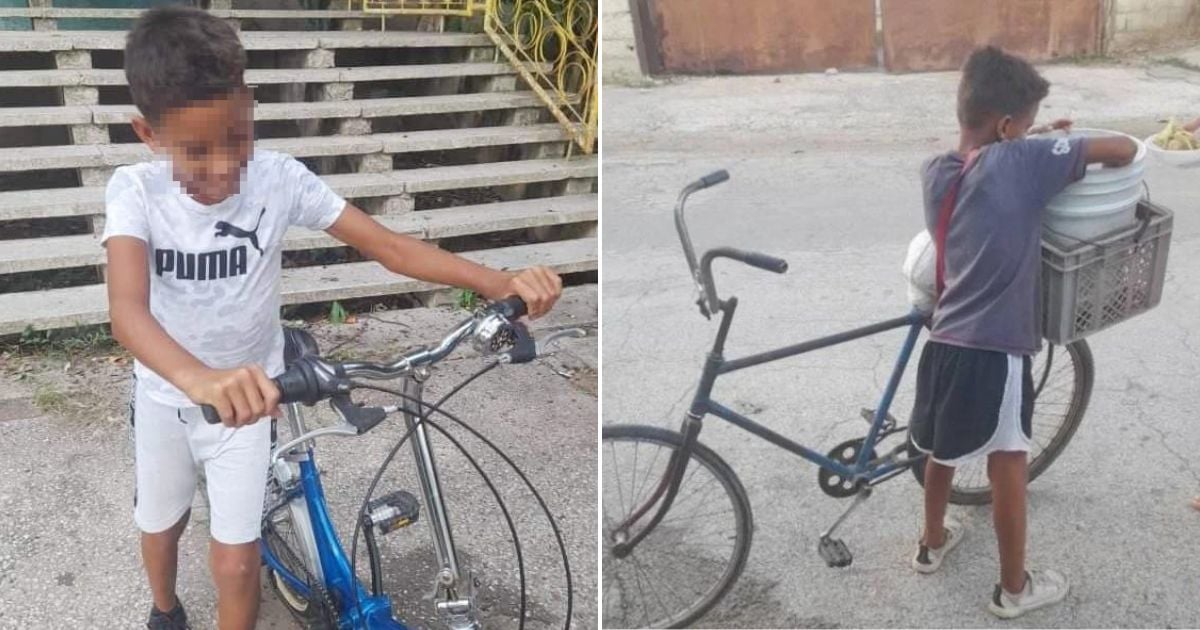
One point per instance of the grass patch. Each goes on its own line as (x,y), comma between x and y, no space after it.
(1180,63)
(468,300)
(76,340)
(48,399)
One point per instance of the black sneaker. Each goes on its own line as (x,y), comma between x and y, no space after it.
(174,620)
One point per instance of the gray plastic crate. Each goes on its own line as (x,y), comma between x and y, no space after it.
(1091,286)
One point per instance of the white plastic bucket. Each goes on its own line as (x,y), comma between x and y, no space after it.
(1103,201)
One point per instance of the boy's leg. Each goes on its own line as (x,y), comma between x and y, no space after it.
(938,478)
(235,464)
(235,569)
(160,556)
(1007,470)
(165,483)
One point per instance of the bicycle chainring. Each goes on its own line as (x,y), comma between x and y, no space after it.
(846,453)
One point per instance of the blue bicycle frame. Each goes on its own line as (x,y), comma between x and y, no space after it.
(716,365)
(357,607)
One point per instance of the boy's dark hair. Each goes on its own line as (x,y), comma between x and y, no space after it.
(175,55)
(995,83)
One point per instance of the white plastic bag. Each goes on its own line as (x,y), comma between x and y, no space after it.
(920,269)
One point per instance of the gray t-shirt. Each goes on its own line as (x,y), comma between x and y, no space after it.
(993,245)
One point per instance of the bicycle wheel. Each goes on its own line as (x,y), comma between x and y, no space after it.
(284,542)
(1062,384)
(694,555)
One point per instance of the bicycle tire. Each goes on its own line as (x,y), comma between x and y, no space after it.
(744,524)
(319,610)
(315,612)
(1084,377)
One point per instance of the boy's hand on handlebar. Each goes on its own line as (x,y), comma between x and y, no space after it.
(539,287)
(241,395)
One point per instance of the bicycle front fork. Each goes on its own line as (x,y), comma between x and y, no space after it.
(454,587)
(666,490)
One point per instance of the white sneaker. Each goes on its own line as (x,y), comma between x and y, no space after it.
(929,560)
(1042,588)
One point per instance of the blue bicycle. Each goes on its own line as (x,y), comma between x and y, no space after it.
(677,521)
(307,566)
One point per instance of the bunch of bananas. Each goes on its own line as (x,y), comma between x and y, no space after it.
(1176,138)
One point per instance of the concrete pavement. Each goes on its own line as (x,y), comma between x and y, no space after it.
(68,545)
(825,174)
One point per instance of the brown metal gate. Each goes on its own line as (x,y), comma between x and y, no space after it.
(751,36)
(765,36)
(939,34)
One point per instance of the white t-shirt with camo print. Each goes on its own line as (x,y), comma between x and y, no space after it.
(215,270)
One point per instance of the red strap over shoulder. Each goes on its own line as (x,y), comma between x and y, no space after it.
(943,225)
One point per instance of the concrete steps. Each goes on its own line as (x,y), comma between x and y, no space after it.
(365,108)
(128,14)
(361,74)
(84,201)
(18,159)
(80,250)
(483,133)
(63,308)
(57,41)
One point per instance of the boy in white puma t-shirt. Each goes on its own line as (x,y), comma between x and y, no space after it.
(194,241)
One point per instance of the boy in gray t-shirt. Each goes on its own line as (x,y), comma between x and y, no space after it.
(974,388)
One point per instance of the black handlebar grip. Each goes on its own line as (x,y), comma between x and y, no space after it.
(511,307)
(712,179)
(210,414)
(765,262)
(212,417)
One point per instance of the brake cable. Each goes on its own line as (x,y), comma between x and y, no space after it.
(362,511)
(520,473)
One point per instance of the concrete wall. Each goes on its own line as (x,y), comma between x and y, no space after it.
(618,49)
(1134,24)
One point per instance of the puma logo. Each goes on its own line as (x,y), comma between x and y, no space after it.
(225,228)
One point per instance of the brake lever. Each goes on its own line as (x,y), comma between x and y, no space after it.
(552,339)
(362,418)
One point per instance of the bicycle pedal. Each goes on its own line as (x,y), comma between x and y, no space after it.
(835,553)
(393,511)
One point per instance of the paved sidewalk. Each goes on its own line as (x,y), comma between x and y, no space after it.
(68,545)
(825,174)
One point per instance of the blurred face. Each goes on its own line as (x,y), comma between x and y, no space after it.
(209,143)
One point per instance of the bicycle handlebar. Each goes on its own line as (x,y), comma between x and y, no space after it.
(311,379)
(754,259)
(701,270)
(712,179)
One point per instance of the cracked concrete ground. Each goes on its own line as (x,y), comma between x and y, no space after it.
(825,174)
(68,545)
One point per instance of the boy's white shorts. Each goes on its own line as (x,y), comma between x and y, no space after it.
(170,443)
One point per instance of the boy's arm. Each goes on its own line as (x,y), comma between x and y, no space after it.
(241,395)
(538,286)
(1110,151)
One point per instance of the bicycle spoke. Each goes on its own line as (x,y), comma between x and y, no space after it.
(633,477)
(677,570)
(642,485)
(620,495)
(700,516)
(638,566)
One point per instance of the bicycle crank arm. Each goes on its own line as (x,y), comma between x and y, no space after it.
(834,551)
(863,494)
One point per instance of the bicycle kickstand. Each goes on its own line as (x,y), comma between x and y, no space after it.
(834,551)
